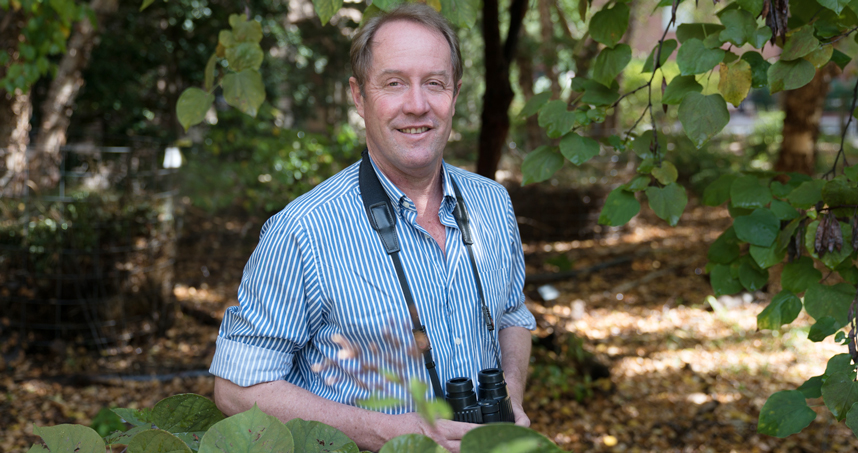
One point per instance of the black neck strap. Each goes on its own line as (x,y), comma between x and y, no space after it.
(383,221)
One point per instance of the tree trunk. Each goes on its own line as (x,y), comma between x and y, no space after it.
(803,108)
(15,110)
(57,106)
(533,133)
(499,94)
(548,48)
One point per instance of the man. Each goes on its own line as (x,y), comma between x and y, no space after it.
(322,312)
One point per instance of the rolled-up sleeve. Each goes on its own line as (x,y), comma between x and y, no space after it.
(515,311)
(258,339)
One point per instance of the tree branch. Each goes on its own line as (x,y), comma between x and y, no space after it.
(842,151)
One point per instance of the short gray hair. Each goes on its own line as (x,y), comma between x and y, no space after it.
(361,51)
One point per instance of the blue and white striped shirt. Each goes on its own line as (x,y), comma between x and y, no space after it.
(321,306)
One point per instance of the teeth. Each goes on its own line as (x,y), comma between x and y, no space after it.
(415,130)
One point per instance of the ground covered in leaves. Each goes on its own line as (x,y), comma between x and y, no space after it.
(629,357)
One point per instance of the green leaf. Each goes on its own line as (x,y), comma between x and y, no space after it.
(785,236)
(146,4)
(834,258)
(667,49)
(789,75)
(326,9)
(747,192)
(70,438)
(501,437)
(666,173)
(722,280)
(800,274)
(123,438)
(188,416)
(852,419)
(412,443)
(812,388)
(821,56)
(735,81)
(597,94)
(135,417)
(799,43)
(387,5)
(759,69)
(619,208)
(718,191)
(192,106)
(578,149)
(840,191)
(703,116)
(807,194)
(834,5)
(759,228)
(829,300)
(244,91)
(555,119)
(535,103)
(667,202)
(210,73)
(378,402)
(740,27)
(848,272)
(317,437)
(699,31)
(751,276)
(678,87)
(725,249)
(839,364)
(851,172)
(694,58)
(226,39)
(783,309)
(610,63)
(783,210)
(840,59)
(540,164)
(462,13)
(157,441)
(608,25)
(755,7)
(637,184)
(766,257)
(760,37)
(246,55)
(785,413)
(251,431)
(822,329)
(244,30)
(840,393)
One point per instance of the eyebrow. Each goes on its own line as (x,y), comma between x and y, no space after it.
(399,71)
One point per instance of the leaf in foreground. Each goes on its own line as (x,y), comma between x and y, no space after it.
(783,309)
(840,392)
(540,164)
(703,116)
(252,431)
(619,208)
(852,418)
(578,149)
(412,443)
(244,91)
(499,437)
(317,437)
(785,413)
(157,441)
(759,228)
(70,438)
(667,202)
(192,106)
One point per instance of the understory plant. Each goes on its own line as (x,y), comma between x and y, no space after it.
(192,423)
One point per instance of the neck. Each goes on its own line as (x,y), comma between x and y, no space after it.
(423,188)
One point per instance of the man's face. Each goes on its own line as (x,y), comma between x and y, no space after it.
(409,98)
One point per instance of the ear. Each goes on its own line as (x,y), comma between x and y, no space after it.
(356,96)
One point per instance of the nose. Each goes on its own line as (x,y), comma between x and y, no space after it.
(416,101)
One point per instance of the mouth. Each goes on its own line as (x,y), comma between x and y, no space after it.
(413,130)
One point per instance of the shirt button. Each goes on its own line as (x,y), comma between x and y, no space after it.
(458,341)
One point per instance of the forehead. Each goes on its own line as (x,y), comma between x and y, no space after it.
(402,44)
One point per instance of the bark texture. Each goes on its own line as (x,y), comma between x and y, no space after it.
(498,96)
(15,110)
(803,109)
(58,104)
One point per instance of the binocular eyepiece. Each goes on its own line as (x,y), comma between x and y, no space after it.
(493,404)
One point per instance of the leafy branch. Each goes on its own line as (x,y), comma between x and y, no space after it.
(842,151)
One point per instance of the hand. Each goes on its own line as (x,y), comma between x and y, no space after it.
(521,419)
(446,433)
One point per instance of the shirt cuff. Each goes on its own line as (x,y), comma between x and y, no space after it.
(520,316)
(247,365)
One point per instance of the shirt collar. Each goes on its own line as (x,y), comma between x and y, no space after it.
(401,201)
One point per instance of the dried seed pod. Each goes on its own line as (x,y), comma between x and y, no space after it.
(821,232)
(799,238)
(834,239)
(855,232)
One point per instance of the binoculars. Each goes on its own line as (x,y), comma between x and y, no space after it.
(493,404)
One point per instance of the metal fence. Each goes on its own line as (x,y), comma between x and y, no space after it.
(90,260)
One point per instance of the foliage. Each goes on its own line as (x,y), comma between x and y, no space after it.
(47,27)
(253,164)
(192,423)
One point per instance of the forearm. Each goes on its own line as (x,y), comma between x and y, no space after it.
(370,430)
(515,345)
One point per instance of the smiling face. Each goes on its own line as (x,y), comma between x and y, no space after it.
(409,99)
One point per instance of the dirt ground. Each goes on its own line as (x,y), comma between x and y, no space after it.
(631,357)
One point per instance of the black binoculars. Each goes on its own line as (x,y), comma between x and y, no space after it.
(493,404)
